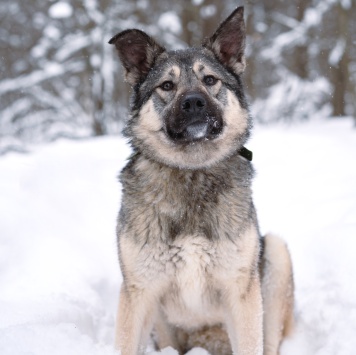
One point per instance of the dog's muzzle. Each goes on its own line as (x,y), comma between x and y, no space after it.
(194,120)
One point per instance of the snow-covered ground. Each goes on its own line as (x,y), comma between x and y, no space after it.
(59,275)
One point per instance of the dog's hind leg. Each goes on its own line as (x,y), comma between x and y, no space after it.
(277,293)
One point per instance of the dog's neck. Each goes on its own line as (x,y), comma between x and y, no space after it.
(243,152)
(239,160)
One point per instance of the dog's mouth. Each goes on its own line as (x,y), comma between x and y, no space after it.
(207,129)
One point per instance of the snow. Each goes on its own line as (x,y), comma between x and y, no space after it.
(298,33)
(337,52)
(346,4)
(74,43)
(60,10)
(169,21)
(59,274)
(312,17)
(307,194)
(49,71)
(208,11)
(52,32)
(197,2)
(293,99)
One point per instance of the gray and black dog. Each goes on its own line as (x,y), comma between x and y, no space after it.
(196,270)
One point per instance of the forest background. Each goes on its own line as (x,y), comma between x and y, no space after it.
(60,78)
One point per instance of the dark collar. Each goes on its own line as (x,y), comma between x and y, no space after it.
(247,154)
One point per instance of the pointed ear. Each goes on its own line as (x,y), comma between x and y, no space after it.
(137,52)
(228,42)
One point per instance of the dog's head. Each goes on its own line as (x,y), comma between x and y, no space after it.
(188,106)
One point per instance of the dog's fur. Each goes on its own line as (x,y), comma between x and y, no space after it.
(196,270)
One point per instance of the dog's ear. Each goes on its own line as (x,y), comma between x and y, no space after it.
(228,42)
(137,52)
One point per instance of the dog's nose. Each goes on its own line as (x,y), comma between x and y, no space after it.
(193,103)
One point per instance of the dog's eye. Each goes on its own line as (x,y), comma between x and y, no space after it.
(167,86)
(210,80)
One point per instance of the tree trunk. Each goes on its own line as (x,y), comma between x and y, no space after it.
(250,73)
(340,69)
(189,18)
(300,52)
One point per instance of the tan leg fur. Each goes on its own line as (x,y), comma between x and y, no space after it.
(134,321)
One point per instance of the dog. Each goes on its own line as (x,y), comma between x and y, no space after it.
(196,270)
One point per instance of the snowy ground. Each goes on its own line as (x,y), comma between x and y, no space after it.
(59,276)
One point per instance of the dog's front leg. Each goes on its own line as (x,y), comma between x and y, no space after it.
(245,318)
(134,320)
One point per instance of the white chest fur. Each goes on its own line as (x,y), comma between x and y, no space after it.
(193,279)
(193,297)
(189,274)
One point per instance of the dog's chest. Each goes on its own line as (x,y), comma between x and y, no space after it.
(192,269)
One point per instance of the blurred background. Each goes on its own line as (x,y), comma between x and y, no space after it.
(60,78)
